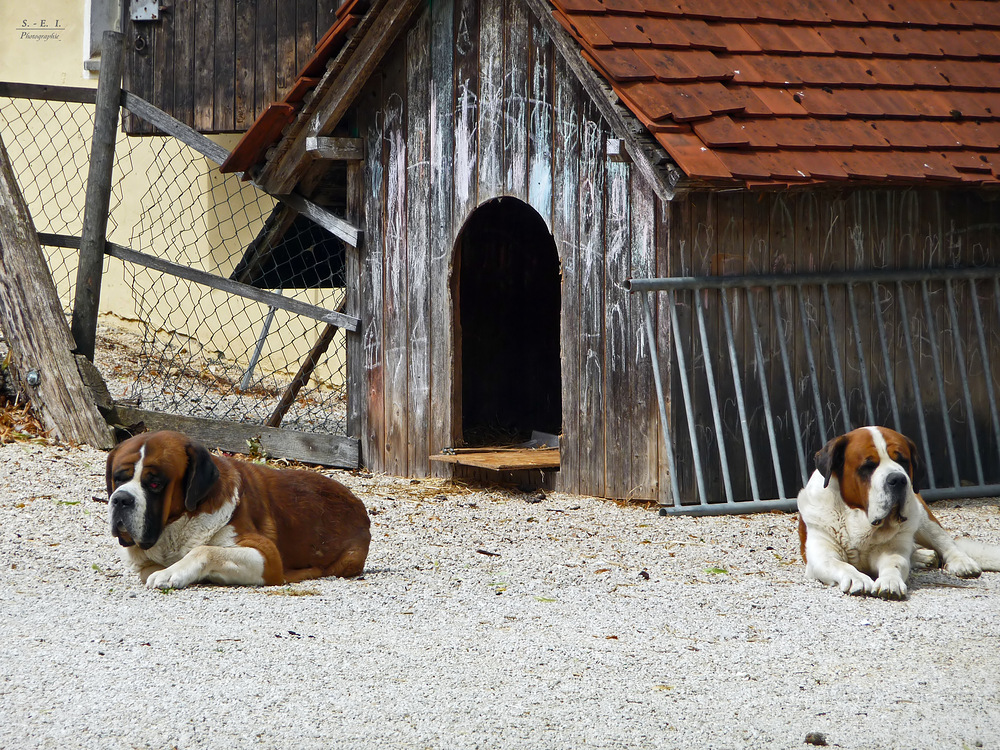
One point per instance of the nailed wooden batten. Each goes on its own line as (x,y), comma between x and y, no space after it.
(336,149)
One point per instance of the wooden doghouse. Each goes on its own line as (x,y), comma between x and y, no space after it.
(510,164)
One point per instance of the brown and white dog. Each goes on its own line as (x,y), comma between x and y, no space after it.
(860,519)
(185,516)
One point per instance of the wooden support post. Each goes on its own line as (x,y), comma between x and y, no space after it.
(34,325)
(305,372)
(357,386)
(95,211)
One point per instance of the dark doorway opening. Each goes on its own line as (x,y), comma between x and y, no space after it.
(507,296)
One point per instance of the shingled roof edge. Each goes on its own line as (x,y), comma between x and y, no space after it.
(931,74)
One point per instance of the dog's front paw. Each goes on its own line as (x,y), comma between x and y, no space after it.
(177,576)
(890,585)
(924,558)
(856,583)
(963,566)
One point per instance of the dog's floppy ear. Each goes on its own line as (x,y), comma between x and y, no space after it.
(917,474)
(107,471)
(201,475)
(830,459)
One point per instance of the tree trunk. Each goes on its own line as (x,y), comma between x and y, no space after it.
(31,317)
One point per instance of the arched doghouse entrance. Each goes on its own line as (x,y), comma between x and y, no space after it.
(506,285)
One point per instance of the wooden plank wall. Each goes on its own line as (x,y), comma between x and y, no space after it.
(471,105)
(751,233)
(216,64)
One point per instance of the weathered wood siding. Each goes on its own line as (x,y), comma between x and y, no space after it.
(765,233)
(217,64)
(472,105)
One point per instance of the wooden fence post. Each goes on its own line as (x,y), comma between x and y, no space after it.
(34,325)
(95,210)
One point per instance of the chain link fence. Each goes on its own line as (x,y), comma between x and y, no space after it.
(173,345)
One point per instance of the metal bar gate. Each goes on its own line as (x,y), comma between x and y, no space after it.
(763,370)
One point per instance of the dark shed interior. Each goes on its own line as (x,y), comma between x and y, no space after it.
(507,292)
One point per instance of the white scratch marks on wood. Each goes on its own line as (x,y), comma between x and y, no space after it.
(396,173)
(463,39)
(465,143)
(395,240)
(515,140)
(372,343)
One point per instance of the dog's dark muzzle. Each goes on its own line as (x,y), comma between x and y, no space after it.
(121,505)
(897,485)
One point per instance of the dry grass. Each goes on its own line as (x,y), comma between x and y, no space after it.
(19,424)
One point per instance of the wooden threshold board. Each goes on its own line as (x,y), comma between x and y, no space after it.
(502,459)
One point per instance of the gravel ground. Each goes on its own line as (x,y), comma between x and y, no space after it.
(486,619)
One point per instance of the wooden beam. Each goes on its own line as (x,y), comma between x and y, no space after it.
(233,437)
(98,200)
(374,36)
(215,282)
(357,378)
(333,224)
(336,149)
(305,372)
(211,150)
(48,93)
(171,126)
(648,156)
(34,325)
(503,459)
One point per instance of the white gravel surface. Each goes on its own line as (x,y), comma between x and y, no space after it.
(556,639)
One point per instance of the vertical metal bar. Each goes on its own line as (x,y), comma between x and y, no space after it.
(713,396)
(964,376)
(740,405)
(862,364)
(654,359)
(939,378)
(813,375)
(255,357)
(886,362)
(833,326)
(765,395)
(987,369)
(904,318)
(783,347)
(686,394)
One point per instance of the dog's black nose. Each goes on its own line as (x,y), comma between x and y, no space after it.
(122,500)
(896,481)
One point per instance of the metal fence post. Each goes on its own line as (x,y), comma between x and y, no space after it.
(95,212)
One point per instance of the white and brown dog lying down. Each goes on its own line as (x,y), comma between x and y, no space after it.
(860,519)
(185,516)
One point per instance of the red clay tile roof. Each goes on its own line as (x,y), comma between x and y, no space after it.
(806,91)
